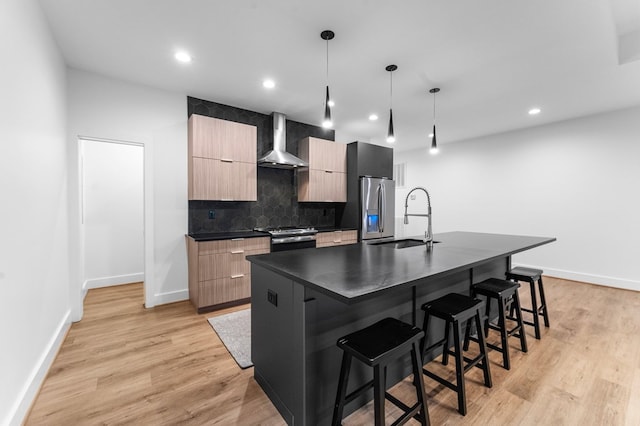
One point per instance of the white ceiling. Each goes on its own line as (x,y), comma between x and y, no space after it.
(492,59)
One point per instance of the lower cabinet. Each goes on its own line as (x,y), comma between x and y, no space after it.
(336,238)
(219,274)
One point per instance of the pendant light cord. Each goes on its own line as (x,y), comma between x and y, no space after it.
(327,62)
(391,90)
(434,109)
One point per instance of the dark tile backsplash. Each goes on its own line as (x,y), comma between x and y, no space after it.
(277,203)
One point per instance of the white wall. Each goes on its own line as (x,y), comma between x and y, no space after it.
(112,188)
(101,107)
(575,180)
(34,302)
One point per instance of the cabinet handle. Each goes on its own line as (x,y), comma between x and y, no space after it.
(328,171)
(226,199)
(337,231)
(237,276)
(237,252)
(237,239)
(226,160)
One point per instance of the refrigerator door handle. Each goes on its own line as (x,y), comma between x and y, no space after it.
(382,199)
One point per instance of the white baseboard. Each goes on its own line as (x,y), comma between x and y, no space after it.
(31,387)
(589,278)
(171,296)
(115,280)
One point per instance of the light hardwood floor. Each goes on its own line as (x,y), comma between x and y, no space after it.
(123,364)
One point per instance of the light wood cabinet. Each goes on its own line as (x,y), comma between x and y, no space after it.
(222,160)
(336,238)
(326,178)
(219,274)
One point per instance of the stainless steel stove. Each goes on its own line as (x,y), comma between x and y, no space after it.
(290,237)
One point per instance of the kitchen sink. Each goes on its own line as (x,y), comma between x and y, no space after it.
(400,244)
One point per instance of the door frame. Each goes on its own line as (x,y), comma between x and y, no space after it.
(77,296)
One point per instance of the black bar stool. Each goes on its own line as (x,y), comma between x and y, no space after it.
(455,309)
(506,293)
(377,346)
(531,276)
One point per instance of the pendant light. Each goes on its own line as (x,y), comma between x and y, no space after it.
(327,122)
(434,145)
(391,137)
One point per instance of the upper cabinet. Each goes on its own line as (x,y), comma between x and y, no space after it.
(222,160)
(326,178)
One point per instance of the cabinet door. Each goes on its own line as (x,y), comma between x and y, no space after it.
(202,179)
(235,181)
(322,154)
(205,134)
(240,142)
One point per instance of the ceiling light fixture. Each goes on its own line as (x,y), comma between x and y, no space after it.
(434,145)
(534,111)
(268,84)
(183,57)
(373,117)
(327,122)
(391,138)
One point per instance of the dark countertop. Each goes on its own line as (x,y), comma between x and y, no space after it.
(353,272)
(228,235)
(331,229)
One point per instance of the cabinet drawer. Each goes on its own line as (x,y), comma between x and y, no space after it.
(224,265)
(336,238)
(261,244)
(214,292)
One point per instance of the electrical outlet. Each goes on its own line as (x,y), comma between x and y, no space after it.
(272,297)
(212,214)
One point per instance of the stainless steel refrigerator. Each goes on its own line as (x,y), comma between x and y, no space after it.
(377,207)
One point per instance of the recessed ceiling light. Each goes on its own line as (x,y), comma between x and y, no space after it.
(373,117)
(183,57)
(268,84)
(534,111)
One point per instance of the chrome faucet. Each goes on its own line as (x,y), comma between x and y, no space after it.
(428,234)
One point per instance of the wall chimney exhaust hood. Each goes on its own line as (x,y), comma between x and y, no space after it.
(278,157)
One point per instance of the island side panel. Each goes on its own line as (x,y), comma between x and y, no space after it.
(276,342)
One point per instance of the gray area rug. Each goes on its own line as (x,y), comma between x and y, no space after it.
(234,330)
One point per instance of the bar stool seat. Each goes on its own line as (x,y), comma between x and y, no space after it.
(505,293)
(377,346)
(531,275)
(455,309)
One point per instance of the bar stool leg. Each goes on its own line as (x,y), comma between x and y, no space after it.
(460,385)
(543,302)
(483,350)
(338,408)
(534,309)
(378,395)
(504,336)
(421,394)
(520,321)
(445,348)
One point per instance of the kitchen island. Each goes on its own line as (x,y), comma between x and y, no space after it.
(302,301)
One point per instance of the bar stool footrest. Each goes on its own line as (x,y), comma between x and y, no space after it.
(356,393)
(440,380)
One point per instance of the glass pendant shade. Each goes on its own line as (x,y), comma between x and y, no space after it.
(434,145)
(327,112)
(391,138)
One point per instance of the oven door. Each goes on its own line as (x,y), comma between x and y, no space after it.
(293,243)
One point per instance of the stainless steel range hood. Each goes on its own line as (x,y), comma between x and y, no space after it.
(278,157)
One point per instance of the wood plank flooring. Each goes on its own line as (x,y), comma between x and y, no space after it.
(123,364)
